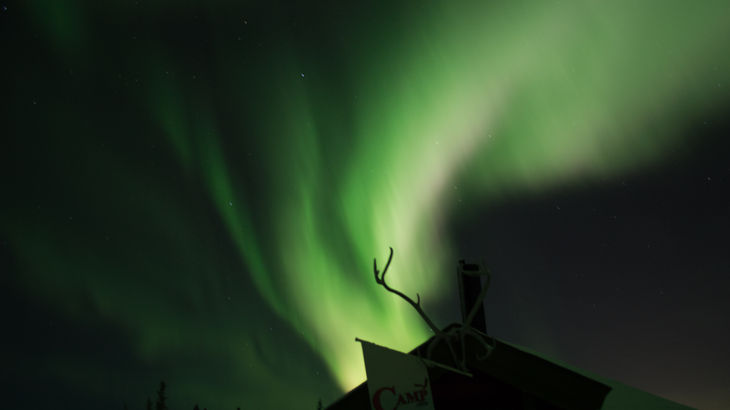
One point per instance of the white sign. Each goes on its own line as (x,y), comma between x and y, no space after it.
(395,379)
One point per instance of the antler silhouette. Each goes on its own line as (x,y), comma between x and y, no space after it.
(459,332)
(417,304)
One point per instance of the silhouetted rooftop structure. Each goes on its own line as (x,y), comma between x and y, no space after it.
(510,377)
(513,379)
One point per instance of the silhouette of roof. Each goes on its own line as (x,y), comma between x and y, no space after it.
(513,378)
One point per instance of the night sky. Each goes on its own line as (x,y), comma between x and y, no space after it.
(194,191)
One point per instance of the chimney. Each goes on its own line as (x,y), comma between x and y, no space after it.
(470,286)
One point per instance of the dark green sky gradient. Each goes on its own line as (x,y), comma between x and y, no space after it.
(182,204)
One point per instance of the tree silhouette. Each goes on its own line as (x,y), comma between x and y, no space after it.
(319,404)
(160,404)
(196,407)
(149,403)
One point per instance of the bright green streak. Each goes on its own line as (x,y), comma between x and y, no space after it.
(472,102)
(451,108)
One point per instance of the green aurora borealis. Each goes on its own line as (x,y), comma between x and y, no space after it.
(212,180)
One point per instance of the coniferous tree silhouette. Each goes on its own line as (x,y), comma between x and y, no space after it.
(149,403)
(319,404)
(160,404)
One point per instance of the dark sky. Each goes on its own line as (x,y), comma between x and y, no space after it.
(626,277)
(194,192)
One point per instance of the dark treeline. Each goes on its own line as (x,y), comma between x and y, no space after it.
(161,401)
